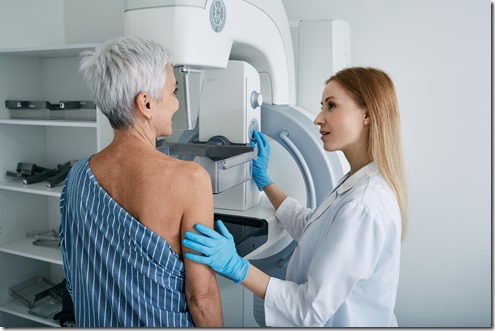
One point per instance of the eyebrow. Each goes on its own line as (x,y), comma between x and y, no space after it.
(328,98)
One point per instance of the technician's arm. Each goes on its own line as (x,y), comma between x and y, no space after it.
(256,281)
(275,195)
(217,250)
(260,171)
(292,216)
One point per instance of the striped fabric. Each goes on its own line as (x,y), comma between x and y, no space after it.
(119,273)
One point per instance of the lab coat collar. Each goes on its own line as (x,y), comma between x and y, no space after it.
(361,175)
(344,185)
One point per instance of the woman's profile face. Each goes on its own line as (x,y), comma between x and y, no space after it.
(343,124)
(169,104)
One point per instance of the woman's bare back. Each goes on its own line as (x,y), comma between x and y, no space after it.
(154,188)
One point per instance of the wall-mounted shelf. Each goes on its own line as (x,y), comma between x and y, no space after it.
(20,310)
(24,247)
(50,74)
(59,51)
(36,188)
(62,123)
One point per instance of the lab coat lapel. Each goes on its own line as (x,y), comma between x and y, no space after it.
(346,183)
(327,202)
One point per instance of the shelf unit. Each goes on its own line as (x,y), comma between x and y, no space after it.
(62,123)
(41,74)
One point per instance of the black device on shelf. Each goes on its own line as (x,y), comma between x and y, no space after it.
(62,105)
(31,173)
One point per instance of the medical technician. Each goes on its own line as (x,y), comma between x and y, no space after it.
(345,270)
(125,209)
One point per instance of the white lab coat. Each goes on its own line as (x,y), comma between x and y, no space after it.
(345,270)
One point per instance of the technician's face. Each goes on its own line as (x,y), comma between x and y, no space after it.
(169,104)
(343,124)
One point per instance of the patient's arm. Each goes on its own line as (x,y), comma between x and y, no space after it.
(202,292)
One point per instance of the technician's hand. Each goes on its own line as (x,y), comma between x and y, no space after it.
(218,251)
(260,165)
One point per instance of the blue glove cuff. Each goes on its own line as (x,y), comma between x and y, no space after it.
(242,271)
(263,182)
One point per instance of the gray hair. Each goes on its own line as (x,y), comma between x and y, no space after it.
(119,70)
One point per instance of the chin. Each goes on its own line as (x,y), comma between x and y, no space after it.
(329,148)
(167,133)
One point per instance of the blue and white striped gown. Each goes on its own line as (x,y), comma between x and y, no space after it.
(119,273)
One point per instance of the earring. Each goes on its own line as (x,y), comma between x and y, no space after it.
(149,118)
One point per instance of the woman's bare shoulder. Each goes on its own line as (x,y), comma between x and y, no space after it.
(182,172)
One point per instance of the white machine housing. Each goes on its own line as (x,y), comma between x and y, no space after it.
(255,31)
(206,35)
(230,107)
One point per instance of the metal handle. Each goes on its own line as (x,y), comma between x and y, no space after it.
(228,155)
(284,135)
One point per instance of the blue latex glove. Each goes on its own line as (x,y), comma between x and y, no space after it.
(260,165)
(218,251)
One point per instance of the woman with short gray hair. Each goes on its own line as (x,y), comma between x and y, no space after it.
(126,208)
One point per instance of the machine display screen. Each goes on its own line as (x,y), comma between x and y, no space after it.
(249,233)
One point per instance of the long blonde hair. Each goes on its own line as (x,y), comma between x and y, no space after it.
(373,90)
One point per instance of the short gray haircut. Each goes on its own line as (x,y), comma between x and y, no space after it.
(120,69)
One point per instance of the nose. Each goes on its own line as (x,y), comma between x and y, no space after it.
(318,120)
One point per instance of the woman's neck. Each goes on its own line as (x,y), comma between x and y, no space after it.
(133,137)
(357,160)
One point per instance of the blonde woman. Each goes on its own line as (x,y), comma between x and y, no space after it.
(345,269)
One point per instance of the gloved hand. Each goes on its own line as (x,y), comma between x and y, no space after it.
(260,165)
(218,251)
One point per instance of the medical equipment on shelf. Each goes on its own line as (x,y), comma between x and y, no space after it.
(235,70)
(30,173)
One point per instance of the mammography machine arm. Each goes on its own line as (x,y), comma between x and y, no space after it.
(206,34)
(214,34)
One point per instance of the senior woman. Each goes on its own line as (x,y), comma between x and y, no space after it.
(125,209)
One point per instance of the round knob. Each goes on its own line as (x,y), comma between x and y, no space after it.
(218,141)
(256,99)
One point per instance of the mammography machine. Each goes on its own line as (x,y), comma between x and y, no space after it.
(235,69)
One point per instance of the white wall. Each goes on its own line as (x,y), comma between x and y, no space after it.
(92,21)
(438,53)
(31,23)
(49,23)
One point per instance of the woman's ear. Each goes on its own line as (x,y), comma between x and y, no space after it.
(143,104)
(367,118)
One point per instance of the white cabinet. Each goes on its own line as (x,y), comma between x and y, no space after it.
(37,75)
